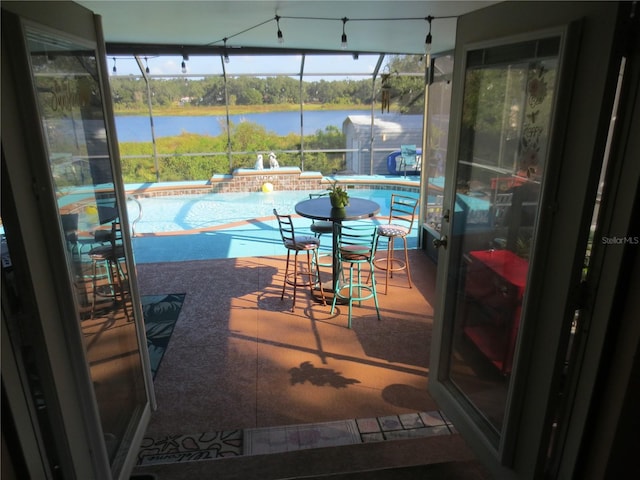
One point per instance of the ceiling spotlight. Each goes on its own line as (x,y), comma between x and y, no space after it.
(280,37)
(115,70)
(356,56)
(146,61)
(343,43)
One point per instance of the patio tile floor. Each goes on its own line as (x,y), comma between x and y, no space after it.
(240,361)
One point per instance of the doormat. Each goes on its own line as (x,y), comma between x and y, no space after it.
(160,314)
(190,448)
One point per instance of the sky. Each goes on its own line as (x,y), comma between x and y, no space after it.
(337,66)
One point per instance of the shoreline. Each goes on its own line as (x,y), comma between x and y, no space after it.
(190,111)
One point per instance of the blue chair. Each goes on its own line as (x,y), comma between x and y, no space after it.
(299,243)
(408,158)
(356,247)
(402,214)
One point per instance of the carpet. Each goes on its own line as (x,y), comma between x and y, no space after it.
(160,314)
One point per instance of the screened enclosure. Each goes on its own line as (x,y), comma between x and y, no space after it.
(194,116)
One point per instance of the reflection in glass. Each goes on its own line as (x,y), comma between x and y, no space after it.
(503,147)
(68,93)
(437,138)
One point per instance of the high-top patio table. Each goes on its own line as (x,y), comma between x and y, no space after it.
(321,209)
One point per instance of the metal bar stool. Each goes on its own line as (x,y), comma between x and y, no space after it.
(110,256)
(299,243)
(319,228)
(402,213)
(357,247)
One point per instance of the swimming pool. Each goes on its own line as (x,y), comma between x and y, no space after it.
(226,225)
(194,213)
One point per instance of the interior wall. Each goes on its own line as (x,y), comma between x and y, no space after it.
(626,442)
(612,441)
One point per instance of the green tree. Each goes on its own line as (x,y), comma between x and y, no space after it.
(179,159)
(250,96)
(406,81)
(130,93)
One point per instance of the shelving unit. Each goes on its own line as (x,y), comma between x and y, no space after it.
(495,284)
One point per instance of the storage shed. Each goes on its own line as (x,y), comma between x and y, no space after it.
(389,132)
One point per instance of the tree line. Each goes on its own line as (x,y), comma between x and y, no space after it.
(130,93)
(197,157)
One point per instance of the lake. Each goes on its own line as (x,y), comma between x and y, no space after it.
(138,128)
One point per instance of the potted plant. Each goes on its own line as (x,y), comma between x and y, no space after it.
(338,196)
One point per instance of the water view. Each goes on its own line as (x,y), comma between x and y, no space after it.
(138,128)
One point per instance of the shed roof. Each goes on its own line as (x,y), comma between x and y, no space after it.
(387,123)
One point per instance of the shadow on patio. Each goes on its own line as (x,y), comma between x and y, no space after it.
(240,359)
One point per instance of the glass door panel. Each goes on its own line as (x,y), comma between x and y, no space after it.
(509,96)
(68,94)
(526,141)
(438,112)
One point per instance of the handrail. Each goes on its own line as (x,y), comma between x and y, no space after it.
(133,224)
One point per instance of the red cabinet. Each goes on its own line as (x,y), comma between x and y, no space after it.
(494,288)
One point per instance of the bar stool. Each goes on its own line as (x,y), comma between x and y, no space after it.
(357,247)
(109,257)
(299,243)
(402,213)
(319,228)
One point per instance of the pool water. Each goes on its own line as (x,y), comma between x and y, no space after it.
(200,212)
(228,225)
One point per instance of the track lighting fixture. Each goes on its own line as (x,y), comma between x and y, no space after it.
(280,37)
(343,43)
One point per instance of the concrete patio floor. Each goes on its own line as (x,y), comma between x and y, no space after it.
(240,360)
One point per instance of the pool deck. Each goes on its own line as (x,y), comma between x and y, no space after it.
(286,178)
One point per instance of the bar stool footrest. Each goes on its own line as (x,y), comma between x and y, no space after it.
(302,282)
(381,263)
(355,287)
